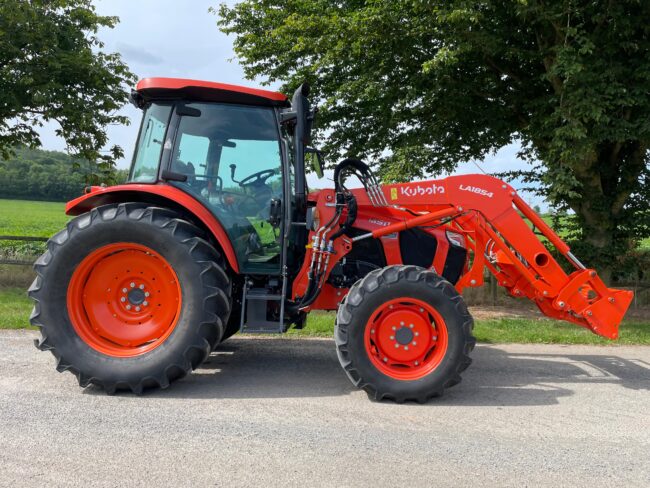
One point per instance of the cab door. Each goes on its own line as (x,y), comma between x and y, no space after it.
(231,155)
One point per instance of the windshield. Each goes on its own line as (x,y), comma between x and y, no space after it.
(150,144)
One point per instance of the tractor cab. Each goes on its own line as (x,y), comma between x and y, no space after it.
(230,149)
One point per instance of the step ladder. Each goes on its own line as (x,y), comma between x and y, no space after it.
(254,304)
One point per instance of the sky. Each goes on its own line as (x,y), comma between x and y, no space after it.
(179,38)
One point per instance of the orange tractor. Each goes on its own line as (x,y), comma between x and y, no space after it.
(215,232)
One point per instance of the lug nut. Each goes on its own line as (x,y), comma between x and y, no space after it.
(561,304)
(145,303)
(142,287)
(132,285)
(146,293)
(411,326)
(372,331)
(401,323)
(128,307)
(417,334)
(124,290)
(392,338)
(385,360)
(122,299)
(414,343)
(396,345)
(137,309)
(394,328)
(406,348)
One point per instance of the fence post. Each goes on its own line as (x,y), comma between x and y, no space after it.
(493,289)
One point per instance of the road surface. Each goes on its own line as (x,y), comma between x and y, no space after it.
(280,412)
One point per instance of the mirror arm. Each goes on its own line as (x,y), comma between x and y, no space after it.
(288,116)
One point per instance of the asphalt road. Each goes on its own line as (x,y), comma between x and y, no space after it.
(280,412)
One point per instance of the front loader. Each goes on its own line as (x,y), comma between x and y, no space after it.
(216,232)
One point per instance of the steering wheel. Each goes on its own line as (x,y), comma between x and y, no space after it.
(258,178)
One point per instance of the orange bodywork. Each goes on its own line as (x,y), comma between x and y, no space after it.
(498,228)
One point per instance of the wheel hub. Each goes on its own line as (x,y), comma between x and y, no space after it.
(136,296)
(406,338)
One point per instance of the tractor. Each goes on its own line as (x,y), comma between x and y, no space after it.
(216,232)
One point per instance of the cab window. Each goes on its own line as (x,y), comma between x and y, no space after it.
(150,144)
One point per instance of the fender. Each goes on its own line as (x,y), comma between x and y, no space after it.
(97,196)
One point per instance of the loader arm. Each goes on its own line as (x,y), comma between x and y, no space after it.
(494,219)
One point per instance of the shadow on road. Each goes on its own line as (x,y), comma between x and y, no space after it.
(251,368)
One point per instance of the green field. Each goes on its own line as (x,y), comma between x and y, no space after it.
(25,218)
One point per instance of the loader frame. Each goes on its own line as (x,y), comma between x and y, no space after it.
(501,235)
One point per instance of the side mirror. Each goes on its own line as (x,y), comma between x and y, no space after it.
(315,159)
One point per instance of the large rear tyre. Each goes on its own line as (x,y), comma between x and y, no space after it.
(403,333)
(129,297)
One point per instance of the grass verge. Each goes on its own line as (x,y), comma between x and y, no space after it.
(15,308)
(512,330)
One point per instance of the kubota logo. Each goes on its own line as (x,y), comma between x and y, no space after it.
(418,190)
(477,190)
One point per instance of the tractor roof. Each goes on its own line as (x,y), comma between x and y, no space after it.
(208,91)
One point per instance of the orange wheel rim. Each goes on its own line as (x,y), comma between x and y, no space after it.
(406,338)
(124,299)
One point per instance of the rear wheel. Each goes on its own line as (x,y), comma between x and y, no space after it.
(129,297)
(404,333)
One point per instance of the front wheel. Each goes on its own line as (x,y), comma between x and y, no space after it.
(403,333)
(129,297)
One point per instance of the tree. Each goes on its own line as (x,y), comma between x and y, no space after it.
(52,68)
(419,86)
(33,174)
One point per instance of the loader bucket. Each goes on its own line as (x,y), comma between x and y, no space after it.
(592,304)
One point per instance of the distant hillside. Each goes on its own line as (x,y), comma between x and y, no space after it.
(34,174)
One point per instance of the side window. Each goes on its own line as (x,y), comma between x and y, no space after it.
(150,144)
(250,158)
(191,156)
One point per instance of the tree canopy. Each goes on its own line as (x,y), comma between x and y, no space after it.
(53,68)
(33,174)
(418,86)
